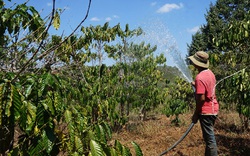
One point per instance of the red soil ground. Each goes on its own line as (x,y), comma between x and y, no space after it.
(156,134)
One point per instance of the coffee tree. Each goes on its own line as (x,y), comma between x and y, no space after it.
(237,59)
(180,99)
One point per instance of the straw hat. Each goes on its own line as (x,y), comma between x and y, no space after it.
(200,58)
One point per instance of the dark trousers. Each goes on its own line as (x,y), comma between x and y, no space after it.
(207,127)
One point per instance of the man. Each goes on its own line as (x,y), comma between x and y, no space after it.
(207,106)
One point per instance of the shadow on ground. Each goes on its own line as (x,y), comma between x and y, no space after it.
(233,145)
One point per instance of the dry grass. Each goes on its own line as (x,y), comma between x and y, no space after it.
(157,134)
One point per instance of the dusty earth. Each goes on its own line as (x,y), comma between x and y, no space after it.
(157,134)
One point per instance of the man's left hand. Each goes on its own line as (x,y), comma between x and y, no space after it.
(195,118)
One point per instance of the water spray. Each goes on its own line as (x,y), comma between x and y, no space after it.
(192,124)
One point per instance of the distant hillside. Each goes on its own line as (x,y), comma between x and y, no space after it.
(170,73)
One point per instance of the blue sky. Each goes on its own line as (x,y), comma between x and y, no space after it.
(180,19)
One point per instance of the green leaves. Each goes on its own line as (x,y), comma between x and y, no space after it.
(56,21)
(11,100)
(20,24)
(138,151)
(28,117)
(96,149)
(122,150)
(234,34)
(181,96)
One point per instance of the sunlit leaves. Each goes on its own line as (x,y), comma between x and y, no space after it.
(96,149)
(233,35)
(11,100)
(44,145)
(181,98)
(56,22)
(28,116)
(19,25)
(137,148)
(79,145)
(122,150)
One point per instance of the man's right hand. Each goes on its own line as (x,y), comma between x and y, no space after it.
(193,83)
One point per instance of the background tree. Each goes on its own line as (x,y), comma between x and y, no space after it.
(20,28)
(179,99)
(100,36)
(138,71)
